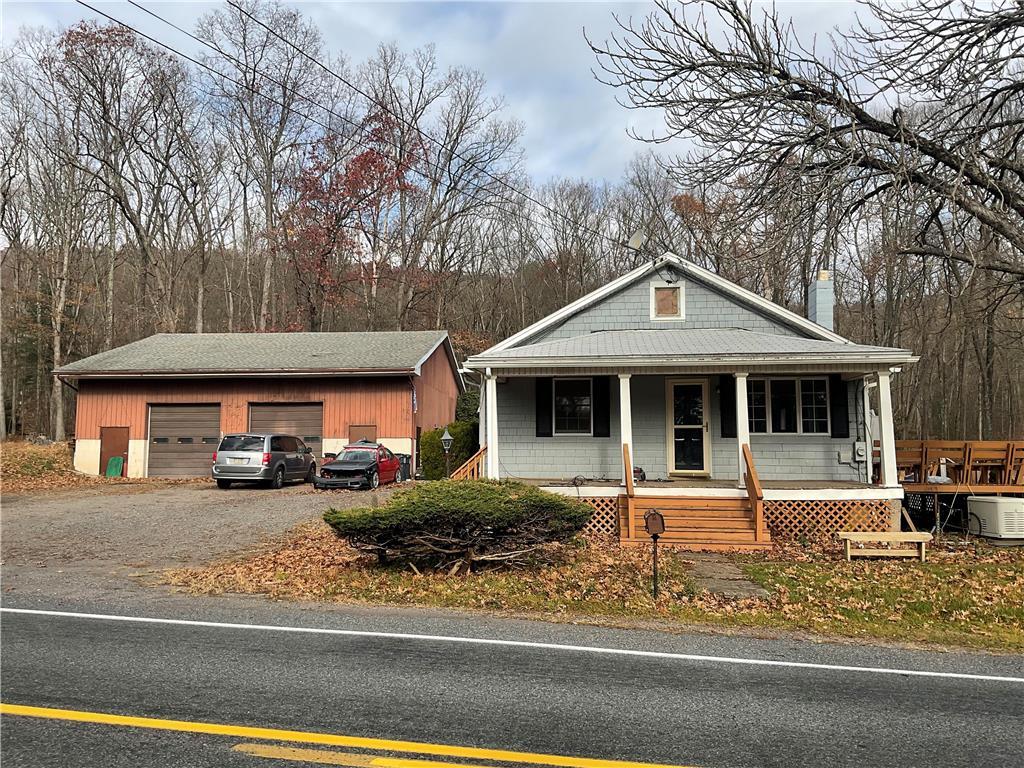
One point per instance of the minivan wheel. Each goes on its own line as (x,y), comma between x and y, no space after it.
(311,474)
(374,480)
(278,481)
(224,484)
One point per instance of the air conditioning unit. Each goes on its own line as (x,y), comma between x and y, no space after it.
(999,517)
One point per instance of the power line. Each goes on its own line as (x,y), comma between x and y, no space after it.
(441,144)
(281,104)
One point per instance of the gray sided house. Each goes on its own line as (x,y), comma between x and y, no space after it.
(683,371)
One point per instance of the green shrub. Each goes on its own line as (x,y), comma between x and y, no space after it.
(464,434)
(465,523)
(467,407)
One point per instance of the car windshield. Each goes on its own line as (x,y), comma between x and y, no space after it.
(242,443)
(358,454)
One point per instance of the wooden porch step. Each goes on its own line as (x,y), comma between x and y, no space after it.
(715,523)
(703,546)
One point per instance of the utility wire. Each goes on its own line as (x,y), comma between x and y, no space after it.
(409,124)
(281,104)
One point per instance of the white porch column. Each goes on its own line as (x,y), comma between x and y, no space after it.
(491,383)
(626,422)
(887,436)
(742,427)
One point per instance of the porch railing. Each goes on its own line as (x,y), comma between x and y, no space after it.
(473,467)
(754,492)
(983,464)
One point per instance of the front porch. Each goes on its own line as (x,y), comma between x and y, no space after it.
(802,470)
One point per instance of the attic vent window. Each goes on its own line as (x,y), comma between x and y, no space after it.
(666,301)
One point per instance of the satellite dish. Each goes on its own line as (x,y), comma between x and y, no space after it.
(637,241)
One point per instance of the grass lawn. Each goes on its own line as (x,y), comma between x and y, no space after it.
(968,596)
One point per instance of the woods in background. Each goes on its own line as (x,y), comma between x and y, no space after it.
(270,184)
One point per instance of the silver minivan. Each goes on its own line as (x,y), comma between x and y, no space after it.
(268,459)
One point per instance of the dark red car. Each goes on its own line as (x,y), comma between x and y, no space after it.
(360,465)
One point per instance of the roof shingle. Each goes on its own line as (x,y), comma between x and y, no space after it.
(167,353)
(675,344)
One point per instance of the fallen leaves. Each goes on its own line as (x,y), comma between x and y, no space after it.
(970,594)
(30,467)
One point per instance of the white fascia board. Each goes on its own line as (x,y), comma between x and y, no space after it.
(581,303)
(766,306)
(713,360)
(450,352)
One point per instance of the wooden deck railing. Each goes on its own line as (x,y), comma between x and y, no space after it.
(473,467)
(986,463)
(754,492)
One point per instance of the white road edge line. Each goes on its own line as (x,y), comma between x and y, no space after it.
(517,644)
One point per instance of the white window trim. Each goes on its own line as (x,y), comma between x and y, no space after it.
(678,284)
(554,387)
(799,404)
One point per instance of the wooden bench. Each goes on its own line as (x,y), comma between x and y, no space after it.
(920,539)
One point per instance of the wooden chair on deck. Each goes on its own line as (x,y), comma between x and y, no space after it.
(1015,465)
(987,461)
(910,458)
(955,453)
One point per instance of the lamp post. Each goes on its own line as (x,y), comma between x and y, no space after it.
(446,443)
(654,523)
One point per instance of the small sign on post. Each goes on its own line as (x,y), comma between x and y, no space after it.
(654,524)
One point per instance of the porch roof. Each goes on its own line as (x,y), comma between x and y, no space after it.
(710,346)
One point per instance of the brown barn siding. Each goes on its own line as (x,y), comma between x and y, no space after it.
(436,391)
(384,401)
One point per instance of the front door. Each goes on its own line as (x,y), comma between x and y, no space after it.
(114,442)
(688,434)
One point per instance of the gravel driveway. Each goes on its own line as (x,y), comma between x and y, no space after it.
(105,538)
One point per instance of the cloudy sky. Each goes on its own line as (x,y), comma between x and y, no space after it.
(532,53)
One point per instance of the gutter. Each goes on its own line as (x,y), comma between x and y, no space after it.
(703,361)
(218,373)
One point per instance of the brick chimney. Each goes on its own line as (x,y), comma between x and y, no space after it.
(821,299)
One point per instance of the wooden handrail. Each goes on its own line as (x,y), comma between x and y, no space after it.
(754,492)
(473,467)
(627,469)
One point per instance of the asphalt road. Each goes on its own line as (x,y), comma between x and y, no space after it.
(533,699)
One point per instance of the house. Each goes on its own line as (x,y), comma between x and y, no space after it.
(744,416)
(164,402)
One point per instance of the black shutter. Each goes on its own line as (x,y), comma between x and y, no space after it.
(602,406)
(727,404)
(543,401)
(839,405)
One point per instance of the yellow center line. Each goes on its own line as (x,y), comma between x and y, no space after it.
(326,739)
(351,759)
(321,756)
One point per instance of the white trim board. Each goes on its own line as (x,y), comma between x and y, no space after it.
(770,494)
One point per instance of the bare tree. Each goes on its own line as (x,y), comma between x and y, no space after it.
(887,110)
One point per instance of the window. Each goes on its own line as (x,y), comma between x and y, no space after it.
(291,445)
(757,405)
(814,405)
(783,406)
(772,406)
(211,440)
(666,301)
(572,407)
(161,440)
(277,445)
(185,441)
(242,443)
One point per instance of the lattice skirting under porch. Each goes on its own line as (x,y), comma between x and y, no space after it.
(605,519)
(816,517)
